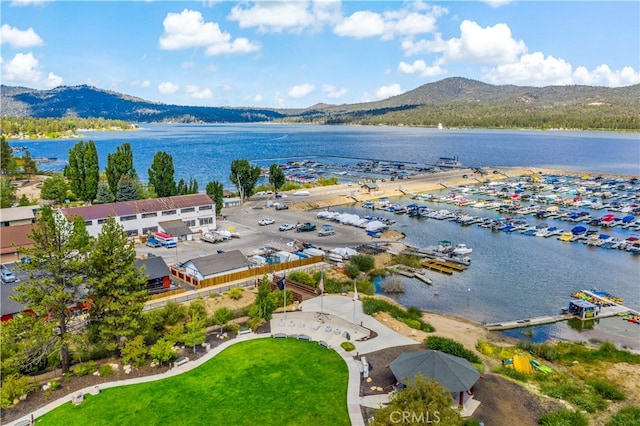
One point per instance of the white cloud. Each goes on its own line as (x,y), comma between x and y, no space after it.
(23,68)
(603,76)
(496,3)
(145,83)
(476,45)
(388,91)
(196,92)
(279,16)
(187,65)
(20,3)
(333,92)
(532,70)
(188,29)
(18,38)
(168,88)
(421,68)
(361,24)
(416,18)
(300,90)
(53,81)
(257,98)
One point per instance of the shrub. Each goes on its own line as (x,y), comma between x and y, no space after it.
(134,352)
(607,390)
(14,387)
(451,347)
(364,262)
(347,346)
(563,417)
(235,293)
(85,368)
(627,416)
(106,370)
(373,305)
(54,384)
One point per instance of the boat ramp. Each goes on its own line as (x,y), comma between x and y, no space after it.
(609,309)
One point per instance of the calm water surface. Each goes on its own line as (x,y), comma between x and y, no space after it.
(512,276)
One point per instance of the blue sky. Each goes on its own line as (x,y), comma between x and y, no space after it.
(295,54)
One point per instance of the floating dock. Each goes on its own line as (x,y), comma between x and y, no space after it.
(436,265)
(613,309)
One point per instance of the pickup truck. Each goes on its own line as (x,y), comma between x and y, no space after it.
(306,227)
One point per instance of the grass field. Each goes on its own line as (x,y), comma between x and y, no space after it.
(262,381)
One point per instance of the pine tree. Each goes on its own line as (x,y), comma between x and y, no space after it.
(7,193)
(127,190)
(161,175)
(58,256)
(103,195)
(117,287)
(5,155)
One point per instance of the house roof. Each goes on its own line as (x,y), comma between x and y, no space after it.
(155,267)
(452,372)
(220,262)
(124,208)
(8,306)
(584,304)
(18,213)
(175,227)
(371,185)
(18,235)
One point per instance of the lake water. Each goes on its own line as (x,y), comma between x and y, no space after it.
(511,276)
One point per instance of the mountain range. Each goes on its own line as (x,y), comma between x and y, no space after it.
(451,97)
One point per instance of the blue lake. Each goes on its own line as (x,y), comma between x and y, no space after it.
(511,276)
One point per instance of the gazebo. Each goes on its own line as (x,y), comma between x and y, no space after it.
(454,373)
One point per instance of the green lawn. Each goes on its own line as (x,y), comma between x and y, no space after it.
(262,381)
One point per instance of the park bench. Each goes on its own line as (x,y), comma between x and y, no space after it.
(181,361)
(245,330)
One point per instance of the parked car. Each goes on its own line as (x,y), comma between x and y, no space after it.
(286,227)
(170,244)
(266,221)
(152,242)
(326,231)
(7,276)
(280,206)
(306,227)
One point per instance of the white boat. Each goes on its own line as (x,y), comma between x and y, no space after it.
(461,249)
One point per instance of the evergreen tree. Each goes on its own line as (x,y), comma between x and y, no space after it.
(276,177)
(215,190)
(120,163)
(103,195)
(24,201)
(6,153)
(54,188)
(161,175)
(264,302)
(193,186)
(127,190)
(7,193)
(58,257)
(117,287)
(244,177)
(83,171)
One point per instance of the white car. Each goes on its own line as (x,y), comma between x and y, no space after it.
(286,227)
(266,221)
(7,276)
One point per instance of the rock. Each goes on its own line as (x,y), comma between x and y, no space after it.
(46,387)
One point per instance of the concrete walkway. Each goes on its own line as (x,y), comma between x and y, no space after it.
(337,313)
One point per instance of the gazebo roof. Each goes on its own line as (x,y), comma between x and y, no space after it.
(452,372)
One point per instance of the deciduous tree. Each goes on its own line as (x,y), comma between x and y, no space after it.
(116,287)
(83,171)
(120,163)
(54,188)
(244,177)
(215,190)
(56,275)
(161,175)
(276,177)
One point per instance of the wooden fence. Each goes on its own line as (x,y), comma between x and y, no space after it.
(167,293)
(250,273)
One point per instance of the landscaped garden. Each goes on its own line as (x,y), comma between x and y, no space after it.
(270,381)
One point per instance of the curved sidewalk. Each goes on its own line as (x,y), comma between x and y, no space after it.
(338,311)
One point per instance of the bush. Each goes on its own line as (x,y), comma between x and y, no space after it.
(106,370)
(563,417)
(451,347)
(54,384)
(85,368)
(627,416)
(607,390)
(14,387)
(373,305)
(348,346)
(235,293)
(364,262)
(134,352)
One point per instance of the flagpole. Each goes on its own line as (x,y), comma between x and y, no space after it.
(284,296)
(355,298)
(321,294)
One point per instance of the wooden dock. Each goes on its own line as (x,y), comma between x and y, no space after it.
(613,309)
(437,266)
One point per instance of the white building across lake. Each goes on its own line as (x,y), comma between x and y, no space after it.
(144,217)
